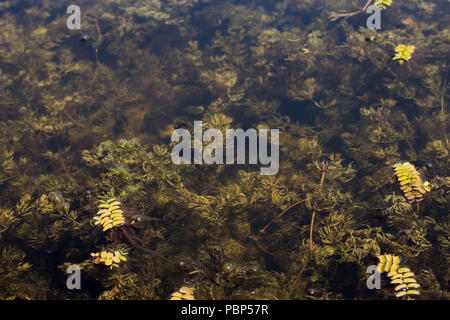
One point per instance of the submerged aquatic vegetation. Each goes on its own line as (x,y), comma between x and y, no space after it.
(82,119)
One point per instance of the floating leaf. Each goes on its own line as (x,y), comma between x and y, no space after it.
(402,277)
(403,53)
(184,293)
(410,182)
(109,214)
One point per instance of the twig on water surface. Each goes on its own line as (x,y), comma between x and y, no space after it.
(334,15)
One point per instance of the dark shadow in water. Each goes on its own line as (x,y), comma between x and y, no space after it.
(304,112)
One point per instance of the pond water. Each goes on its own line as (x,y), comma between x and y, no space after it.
(207,149)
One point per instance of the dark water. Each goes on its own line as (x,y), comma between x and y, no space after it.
(88,114)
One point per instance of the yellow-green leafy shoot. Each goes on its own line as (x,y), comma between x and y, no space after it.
(382,4)
(403,53)
(110,259)
(184,293)
(410,181)
(109,214)
(401,277)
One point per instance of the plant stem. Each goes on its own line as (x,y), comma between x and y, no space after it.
(263,230)
(334,15)
(279,216)
(311,232)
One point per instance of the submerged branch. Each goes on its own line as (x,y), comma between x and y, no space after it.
(333,16)
(263,230)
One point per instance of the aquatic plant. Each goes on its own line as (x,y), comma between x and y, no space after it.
(333,16)
(109,214)
(94,116)
(436,150)
(402,277)
(397,204)
(383,4)
(410,181)
(110,259)
(184,293)
(403,53)
(388,263)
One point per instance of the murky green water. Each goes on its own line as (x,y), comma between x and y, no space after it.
(87,174)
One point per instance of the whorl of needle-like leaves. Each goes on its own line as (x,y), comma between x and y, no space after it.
(411,183)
